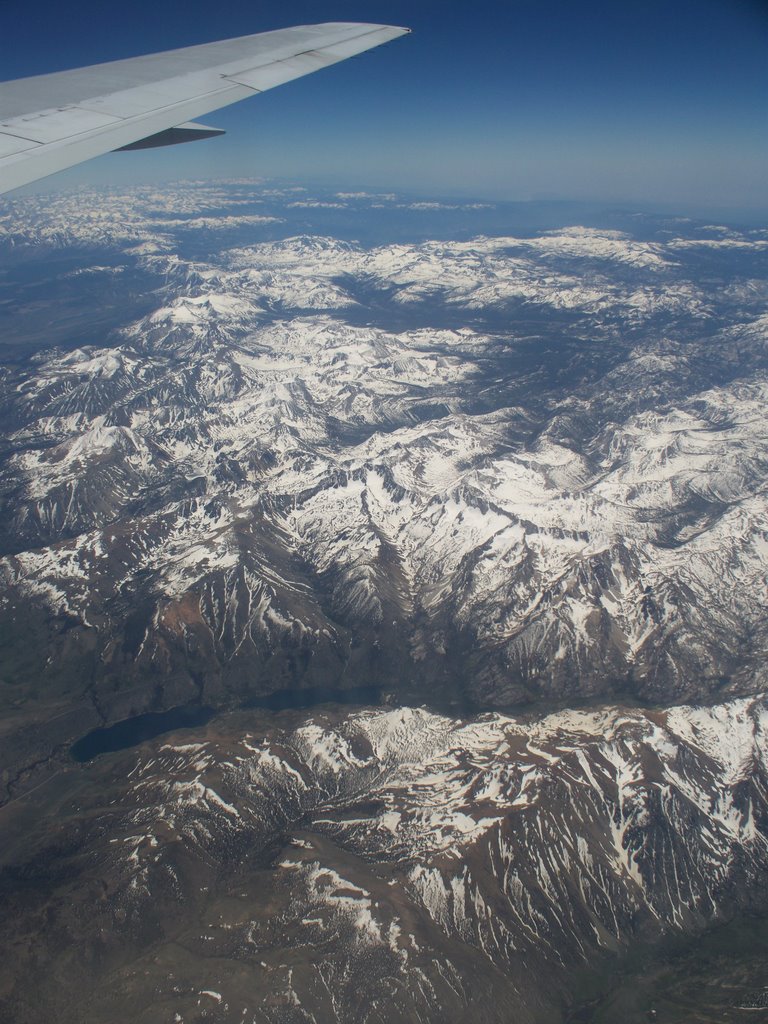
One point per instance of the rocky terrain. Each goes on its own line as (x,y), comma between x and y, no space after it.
(380,865)
(454,474)
(550,486)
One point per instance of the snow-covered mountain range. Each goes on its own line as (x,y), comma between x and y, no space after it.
(383,865)
(263,454)
(556,490)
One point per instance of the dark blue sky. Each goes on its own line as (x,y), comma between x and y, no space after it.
(660,102)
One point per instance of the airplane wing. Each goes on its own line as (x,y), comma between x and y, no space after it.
(50,122)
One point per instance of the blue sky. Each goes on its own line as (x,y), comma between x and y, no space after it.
(661,103)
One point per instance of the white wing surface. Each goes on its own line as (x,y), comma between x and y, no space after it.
(51,122)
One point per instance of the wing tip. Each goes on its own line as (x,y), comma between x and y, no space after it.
(371,26)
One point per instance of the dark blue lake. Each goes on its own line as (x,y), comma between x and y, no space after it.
(147,726)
